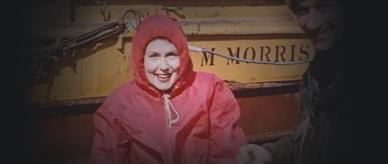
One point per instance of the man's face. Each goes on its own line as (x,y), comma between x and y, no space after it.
(321,19)
(161,64)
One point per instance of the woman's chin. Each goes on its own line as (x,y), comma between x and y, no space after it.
(163,85)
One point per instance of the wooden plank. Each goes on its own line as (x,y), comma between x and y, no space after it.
(96,70)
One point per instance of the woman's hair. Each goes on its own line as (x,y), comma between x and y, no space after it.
(158,37)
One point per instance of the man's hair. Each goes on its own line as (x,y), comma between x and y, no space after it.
(293,4)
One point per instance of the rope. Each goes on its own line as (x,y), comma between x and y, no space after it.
(198,49)
(170,111)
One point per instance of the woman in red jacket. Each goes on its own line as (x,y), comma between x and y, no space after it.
(169,113)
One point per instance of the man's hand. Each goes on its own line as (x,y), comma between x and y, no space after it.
(253,154)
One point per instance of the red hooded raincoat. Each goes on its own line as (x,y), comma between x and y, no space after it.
(133,126)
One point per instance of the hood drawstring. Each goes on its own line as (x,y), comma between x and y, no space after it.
(172,115)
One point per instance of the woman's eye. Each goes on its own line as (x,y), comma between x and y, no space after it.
(153,55)
(171,54)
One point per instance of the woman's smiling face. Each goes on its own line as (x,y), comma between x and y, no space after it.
(161,64)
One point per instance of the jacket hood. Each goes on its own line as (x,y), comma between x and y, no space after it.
(156,26)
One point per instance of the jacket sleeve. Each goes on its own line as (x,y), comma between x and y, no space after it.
(225,136)
(110,144)
(286,149)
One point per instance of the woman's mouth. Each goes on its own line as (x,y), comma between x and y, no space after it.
(163,77)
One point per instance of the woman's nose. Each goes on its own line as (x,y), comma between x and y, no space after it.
(163,65)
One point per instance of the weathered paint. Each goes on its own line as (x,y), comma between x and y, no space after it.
(98,72)
(263,118)
(261,33)
(95,70)
(194,20)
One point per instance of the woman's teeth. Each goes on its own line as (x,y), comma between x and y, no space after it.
(163,77)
